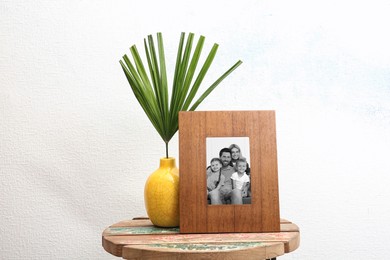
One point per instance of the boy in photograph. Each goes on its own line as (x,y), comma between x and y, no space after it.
(215,179)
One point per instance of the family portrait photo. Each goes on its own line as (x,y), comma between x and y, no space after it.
(228,170)
(230,157)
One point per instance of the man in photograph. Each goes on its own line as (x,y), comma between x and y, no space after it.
(226,192)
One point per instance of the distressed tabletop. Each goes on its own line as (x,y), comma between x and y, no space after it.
(139,239)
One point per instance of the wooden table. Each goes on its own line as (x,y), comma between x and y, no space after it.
(139,239)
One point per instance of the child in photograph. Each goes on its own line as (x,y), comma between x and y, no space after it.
(240,179)
(214,177)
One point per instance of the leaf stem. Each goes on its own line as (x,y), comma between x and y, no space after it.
(166,149)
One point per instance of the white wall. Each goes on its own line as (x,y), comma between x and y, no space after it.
(76,149)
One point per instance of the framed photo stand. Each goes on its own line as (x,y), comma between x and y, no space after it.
(228,172)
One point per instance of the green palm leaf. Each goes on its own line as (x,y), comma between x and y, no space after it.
(151,88)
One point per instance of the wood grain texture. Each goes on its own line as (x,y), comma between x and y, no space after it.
(234,251)
(118,241)
(196,216)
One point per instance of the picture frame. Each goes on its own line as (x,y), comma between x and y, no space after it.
(197,215)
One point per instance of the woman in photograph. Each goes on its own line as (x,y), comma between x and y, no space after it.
(236,154)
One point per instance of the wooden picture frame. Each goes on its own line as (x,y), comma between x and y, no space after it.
(196,215)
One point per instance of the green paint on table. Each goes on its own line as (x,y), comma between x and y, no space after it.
(211,247)
(112,231)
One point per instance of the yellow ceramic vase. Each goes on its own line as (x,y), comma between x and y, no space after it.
(162,194)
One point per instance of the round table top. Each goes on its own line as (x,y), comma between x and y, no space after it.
(140,239)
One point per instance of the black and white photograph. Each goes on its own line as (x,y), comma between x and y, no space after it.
(228,170)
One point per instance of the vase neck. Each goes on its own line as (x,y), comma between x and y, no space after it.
(169,162)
